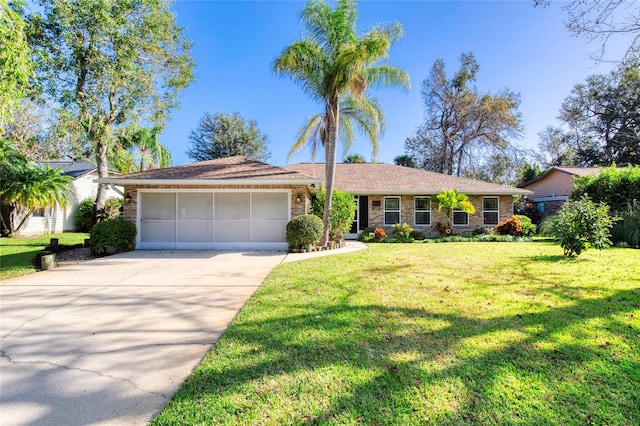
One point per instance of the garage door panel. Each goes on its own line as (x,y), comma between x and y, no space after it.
(232,206)
(195,206)
(232,231)
(195,231)
(158,206)
(158,230)
(269,206)
(267,230)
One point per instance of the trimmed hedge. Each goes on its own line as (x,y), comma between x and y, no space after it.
(303,230)
(118,233)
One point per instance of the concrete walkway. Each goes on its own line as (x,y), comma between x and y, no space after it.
(108,341)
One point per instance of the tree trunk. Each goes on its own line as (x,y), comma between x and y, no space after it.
(333,120)
(103,171)
(24,219)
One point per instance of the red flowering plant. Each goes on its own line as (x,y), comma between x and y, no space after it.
(379,234)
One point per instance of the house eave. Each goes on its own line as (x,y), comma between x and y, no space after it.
(434,192)
(206,182)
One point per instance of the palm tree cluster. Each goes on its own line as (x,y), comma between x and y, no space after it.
(336,66)
(25,187)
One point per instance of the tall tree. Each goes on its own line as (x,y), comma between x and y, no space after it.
(603,116)
(555,148)
(602,20)
(222,135)
(362,114)
(16,67)
(333,62)
(110,64)
(461,123)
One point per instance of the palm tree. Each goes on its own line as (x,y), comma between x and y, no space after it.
(354,158)
(26,187)
(364,115)
(453,199)
(143,144)
(333,64)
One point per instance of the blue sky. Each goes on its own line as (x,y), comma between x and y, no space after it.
(517,46)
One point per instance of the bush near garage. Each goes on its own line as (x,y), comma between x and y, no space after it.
(303,230)
(118,233)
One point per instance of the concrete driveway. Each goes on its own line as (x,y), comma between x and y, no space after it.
(108,341)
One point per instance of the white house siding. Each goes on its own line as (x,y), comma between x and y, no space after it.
(56,219)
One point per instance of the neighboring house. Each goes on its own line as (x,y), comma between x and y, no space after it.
(554,187)
(236,202)
(58,219)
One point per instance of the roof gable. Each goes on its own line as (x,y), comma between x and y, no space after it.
(383,178)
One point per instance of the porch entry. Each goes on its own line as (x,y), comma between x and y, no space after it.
(361,219)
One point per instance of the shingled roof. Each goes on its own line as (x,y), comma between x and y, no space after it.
(382,178)
(74,169)
(230,170)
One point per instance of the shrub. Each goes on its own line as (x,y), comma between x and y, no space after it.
(343,210)
(512,226)
(418,235)
(379,234)
(112,209)
(484,231)
(303,230)
(402,231)
(528,228)
(525,207)
(615,187)
(84,215)
(628,229)
(582,224)
(365,235)
(119,233)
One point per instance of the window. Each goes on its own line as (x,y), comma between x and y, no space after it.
(422,210)
(490,210)
(391,210)
(460,218)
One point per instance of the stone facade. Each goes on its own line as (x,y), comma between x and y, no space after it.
(376,213)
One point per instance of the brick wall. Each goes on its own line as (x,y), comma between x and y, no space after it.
(376,214)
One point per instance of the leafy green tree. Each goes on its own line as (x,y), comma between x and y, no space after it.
(355,158)
(461,124)
(333,64)
(603,116)
(528,172)
(582,224)
(110,64)
(25,187)
(343,211)
(16,66)
(613,186)
(452,199)
(222,135)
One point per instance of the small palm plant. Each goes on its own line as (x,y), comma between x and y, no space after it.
(452,199)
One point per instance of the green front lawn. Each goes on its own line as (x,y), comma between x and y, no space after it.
(453,333)
(17,254)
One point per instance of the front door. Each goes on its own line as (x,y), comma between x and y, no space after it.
(361,219)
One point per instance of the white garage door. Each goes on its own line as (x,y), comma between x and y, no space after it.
(202,220)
